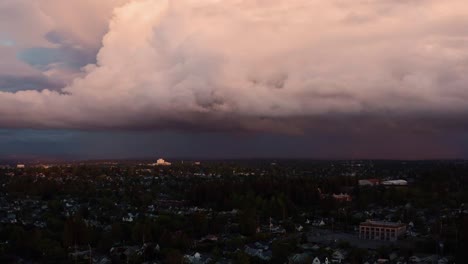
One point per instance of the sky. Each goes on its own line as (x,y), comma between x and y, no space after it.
(376,79)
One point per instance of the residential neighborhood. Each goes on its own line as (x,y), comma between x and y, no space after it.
(231,212)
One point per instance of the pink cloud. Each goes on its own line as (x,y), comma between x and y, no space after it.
(208,62)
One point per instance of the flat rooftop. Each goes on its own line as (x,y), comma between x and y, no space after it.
(382,224)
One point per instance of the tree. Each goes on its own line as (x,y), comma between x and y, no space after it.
(248,222)
(173,256)
(241,258)
(282,249)
(75,232)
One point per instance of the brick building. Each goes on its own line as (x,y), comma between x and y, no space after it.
(378,230)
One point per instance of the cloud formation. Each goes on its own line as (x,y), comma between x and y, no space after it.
(279,65)
(49,40)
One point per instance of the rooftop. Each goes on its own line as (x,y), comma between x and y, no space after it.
(382,224)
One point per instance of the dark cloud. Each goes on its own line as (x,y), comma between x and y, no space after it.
(20,83)
(347,72)
(71,57)
(335,142)
(55,37)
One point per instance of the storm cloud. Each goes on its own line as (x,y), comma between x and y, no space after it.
(259,65)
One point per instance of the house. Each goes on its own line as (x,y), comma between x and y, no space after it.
(259,250)
(342,197)
(197,258)
(85,255)
(369,182)
(319,223)
(209,238)
(123,253)
(395,183)
(300,258)
(129,218)
(338,256)
(12,218)
(105,260)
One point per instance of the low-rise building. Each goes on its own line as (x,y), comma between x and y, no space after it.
(379,230)
(369,182)
(342,197)
(395,183)
(162,162)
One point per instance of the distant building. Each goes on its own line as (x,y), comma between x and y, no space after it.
(162,162)
(20,166)
(379,230)
(342,197)
(369,182)
(395,183)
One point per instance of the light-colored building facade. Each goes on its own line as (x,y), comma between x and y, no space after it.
(369,182)
(162,162)
(395,183)
(378,230)
(342,197)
